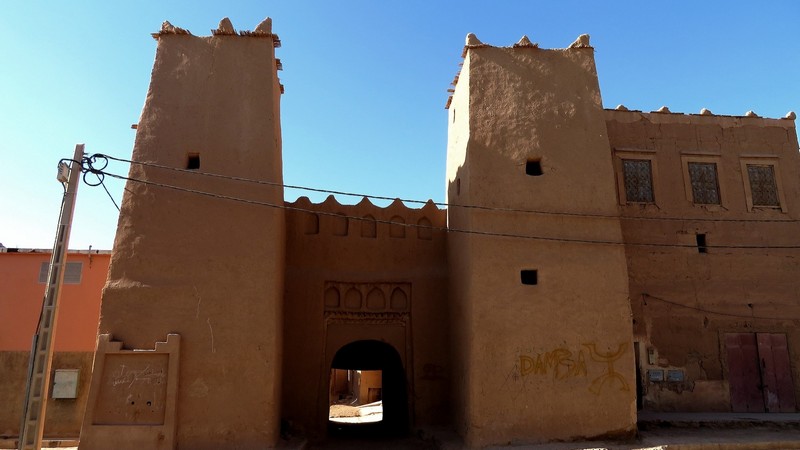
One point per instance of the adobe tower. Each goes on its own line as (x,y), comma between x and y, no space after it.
(541,320)
(196,282)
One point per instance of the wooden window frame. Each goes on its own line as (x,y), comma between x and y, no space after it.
(687,180)
(647,155)
(763,161)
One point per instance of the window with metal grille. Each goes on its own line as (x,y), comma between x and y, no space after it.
(638,177)
(72,272)
(705,185)
(763,188)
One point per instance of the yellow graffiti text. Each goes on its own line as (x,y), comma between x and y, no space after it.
(560,362)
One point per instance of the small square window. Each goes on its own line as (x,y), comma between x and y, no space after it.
(529,277)
(702,247)
(193,161)
(533,168)
(705,184)
(638,177)
(763,188)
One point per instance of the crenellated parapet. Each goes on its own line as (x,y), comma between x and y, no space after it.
(704,117)
(365,219)
(225,29)
(524,44)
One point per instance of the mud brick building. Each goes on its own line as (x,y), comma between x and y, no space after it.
(589,262)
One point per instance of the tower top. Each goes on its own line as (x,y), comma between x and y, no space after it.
(225,28)
(472,42)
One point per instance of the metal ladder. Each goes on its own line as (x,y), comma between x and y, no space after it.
(38,385)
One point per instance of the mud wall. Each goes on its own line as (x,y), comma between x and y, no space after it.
(202,266)
(686,299)
(544,322)
(362,272)
(64,416)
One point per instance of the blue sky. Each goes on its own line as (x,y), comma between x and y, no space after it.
(366,83)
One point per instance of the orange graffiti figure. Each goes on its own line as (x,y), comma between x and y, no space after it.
(610,374)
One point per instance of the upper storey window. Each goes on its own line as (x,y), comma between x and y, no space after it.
(763,188)
(638,178)
(762,183)
(705,183)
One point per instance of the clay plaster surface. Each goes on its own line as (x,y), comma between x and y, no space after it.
(357,273)
(523,378)
(181,262)
(726,290)
(264,300)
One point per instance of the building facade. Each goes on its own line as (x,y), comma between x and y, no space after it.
(23,277)
(715,297)
(589,262)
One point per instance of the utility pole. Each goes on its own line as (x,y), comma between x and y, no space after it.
(38,386)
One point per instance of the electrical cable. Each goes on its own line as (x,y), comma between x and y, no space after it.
(87,167)
(431,227)
(388,222)
(109,196)
(100,173)
(438,204)
(741,316)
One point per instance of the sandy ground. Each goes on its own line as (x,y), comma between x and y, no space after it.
(666,439)
(371,412)
(658,431)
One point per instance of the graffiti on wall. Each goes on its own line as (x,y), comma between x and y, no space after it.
(563,363)
(559,362)
(610,375)
(134,389)
(127,376)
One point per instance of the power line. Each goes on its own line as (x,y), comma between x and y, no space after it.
(388,222)
(741,316)
(109,196)
(430,227)
(90,161)
(438,204)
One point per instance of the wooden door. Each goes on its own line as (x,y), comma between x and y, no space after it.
(744,375)
(776,372)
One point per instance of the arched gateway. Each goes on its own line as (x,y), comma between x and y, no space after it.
(368,391)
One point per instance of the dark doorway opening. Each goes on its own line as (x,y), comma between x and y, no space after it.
(368,377)
(639,383)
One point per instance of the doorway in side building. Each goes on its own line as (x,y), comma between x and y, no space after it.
(759,372)
(367,391)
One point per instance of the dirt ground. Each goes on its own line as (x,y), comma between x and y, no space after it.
(658,431)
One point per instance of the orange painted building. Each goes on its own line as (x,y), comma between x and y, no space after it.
(23,273)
